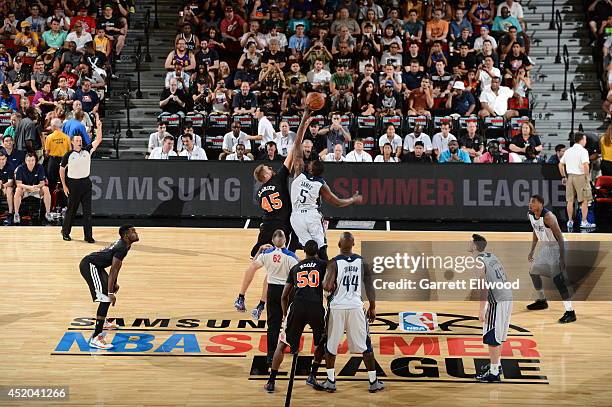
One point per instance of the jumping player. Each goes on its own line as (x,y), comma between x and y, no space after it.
(345,277)
(495,308)
(103,287)
(550,260)
(273,197)
(306,219)
(305,284)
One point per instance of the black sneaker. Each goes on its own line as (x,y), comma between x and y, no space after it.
(489,377)
(311,381)
(538,305)
(90,240)
(269,386)
(66,237)
(569,316)
(327,386)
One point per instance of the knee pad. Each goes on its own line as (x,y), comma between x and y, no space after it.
(561,285)
(537,281)
(103,309)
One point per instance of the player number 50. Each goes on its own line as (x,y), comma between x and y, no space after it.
(308,278)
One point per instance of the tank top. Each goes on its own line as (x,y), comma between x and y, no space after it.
(483,13)
(543,232)
(190,43)
(184,60)
(348,283)
(305,190)
(101,44)
(494,273)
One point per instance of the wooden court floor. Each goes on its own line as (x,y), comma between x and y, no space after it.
(182,343)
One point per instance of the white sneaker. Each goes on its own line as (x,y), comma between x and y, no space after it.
(109,326)
(570,225)
(587,225)
(49,217)
(99,342)
(16,218)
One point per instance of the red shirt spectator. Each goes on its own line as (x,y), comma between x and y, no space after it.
(232,25)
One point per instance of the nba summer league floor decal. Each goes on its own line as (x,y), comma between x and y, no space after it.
(452,353)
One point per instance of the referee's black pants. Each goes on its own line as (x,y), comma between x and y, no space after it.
(79,194)
(274,312)
(53,166)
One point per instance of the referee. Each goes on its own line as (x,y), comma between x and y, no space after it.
(77,185)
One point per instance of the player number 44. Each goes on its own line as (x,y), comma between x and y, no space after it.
(271,202)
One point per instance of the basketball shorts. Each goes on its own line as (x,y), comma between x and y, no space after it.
(496,323)
(308,225)
(355,323)
(267,229)
(97,280)
(546,261)
(300,314)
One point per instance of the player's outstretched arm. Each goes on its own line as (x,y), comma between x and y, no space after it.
(331,198)
(98,140)
(331,273)
(370,291)
(294,158)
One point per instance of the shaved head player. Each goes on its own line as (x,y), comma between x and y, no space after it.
(102,286)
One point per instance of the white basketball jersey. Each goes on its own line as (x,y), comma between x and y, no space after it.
(348,283)
(494,273)
(543,232)
(278,262)
(305,192)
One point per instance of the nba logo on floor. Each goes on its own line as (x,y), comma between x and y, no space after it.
(418,321)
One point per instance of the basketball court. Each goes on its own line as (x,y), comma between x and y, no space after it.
(181,341)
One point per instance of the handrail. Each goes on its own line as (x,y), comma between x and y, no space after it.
(573,101)
(566,62)
(551,26)
(126,97)
(156,22)
(117,138)
(138,59)
(147,28)
(559,24)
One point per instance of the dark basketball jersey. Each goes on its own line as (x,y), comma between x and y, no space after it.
(307,280)
(273,196)
(104,258)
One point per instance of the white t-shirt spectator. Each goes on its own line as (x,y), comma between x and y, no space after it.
(485,79)
(230,141)
(395,143)
(332,158)
(409,141)
(156,141)
(266,131)
(319,77)
(197,153)
(440,143)
(285,144)
(516,10)
(478,42)
(380,159)
(79,41)
(185,77)
(499,102)
(197,139)
(158,154)
(234,157)
(574,158)
(355,157)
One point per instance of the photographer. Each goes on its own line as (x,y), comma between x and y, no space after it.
(294,99)
(219,99)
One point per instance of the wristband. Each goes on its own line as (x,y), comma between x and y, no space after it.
(111,293)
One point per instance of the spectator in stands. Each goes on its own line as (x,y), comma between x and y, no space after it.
(472,143)
(15,157)
(411,79)
(27,132)
(7,185)
(232,27)
(344,20)
(165,151)
(389,74)
(9,29)
(358,155)
(239,155)
(6,60)
(460,101)
(334,134)
(441,80)
(418,156)
(387,155)
(390,36)
(271,76)
(102,43)
(219,99)
(504,21)
(463,61)
(197,139)
(18,78)
(270,153)
(114,27)
(245,101)
(392,57)
(459,23)
(190,150)
(75,126)
(63,95)
(8,103)
(59,15)
(88,97)
(337,155)
(465,38)
(484,36)
(30,181)
(274,34)
(454,154)
(252,54)
(207,56)
(79,36)
(494,101)
(156,139)
(285,139)
(487,50)
(181,55)
(77,106)
(294,99)
(88,23)
(232,139)
(495,154)
(481,13)
(57,144)
(43,99)
(515,9)
(605,143)
(368,99)
(318,77)
(27,40)
(308,151)
(173,100)
(414,52)
(421,100)
(182,77)
(38,76)
(299,42)
(442,139)
(556,158)
(526,138)
(390,102)
(70,59)
(487,71)
(54,37)
(417,136)
(521,84)
(515,60)
(413,28)
(437,28)
(390,137)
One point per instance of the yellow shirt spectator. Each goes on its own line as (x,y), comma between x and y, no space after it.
(57,144)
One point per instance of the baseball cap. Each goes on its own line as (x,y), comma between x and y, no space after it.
(25,24)
(389,83)
(459,85)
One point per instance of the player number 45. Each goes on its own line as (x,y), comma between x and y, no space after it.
(271,202)
(308,278)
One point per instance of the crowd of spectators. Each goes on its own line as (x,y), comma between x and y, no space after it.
(56,57)
(416,58)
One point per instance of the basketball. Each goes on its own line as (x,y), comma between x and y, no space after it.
(315,101)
